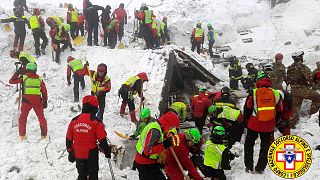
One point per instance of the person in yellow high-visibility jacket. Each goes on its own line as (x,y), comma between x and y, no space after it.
(197,37)
(72,19)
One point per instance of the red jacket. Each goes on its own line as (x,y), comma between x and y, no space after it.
(197,39)
(182,151)
(16,79)
(200,104)
(83,133)
(85,71)
(120,14)
(80,19)
(252,122)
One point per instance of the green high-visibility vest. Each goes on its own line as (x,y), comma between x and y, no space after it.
(229,113)
(142,139)
(162,26)
(34,22)
(58,35)
(130,82)
(213,154)
(74,16)
(31,86)
(147,16)
(75,65)
(199,32)
(96,86)
(112,24)
(26,55)
(57,20)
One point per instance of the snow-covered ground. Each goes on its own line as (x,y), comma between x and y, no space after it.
(271,29)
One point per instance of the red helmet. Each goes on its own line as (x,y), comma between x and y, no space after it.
(102,68)
(143,76)
(36,11)
(14,53)
(91,100)
(279,56)
(70,58)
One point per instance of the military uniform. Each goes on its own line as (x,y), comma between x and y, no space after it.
(278,75)
(300,79)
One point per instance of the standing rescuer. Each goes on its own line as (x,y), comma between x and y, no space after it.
(75,66)
(34,96)
(279,70)
(145,119)
(84,131)
(197,38)
(128,89)
(37,26)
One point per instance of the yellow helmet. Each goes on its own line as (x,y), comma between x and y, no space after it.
(180,108)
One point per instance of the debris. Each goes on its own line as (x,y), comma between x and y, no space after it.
(247,40)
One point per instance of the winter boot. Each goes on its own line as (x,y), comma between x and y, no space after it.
(133,116)
(123,108)
(20,48)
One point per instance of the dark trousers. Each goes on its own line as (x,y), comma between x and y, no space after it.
(92,28)
(59,49)
(81,29)
(102,103)
(73,30)
(210,50)
(88,167)
(112,38)
(147,34)
(196,45)
(235,133)
(234,84)
(207,170)
(19,38)
(264,146)
(126,96)
(77,81)
(165,37)
(37,35)
(121,30)
(200,122)
(150,171)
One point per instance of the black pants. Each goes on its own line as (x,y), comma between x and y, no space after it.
(196,45)
(73,30)
(112,38)
(150,171)
(200,122)
(81,29)
(59,49)
(88,167)
(102,103)
(121,30)
(126,96)
(105,34)
(37,35)
(234,84)
(207,170)
(19,38)
(92,28)
(77,81)
(165,37)
(264,146)
(235,133)
(147,34)
(210,50)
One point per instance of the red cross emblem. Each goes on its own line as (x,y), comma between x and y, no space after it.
(289,158)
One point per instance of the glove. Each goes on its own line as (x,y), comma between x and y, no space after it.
(132,137)
(107,153)
(162,157)
(72,49)
(45,104)
(167,142)
(86,64)
(19,71)
(318,148)
(71,157)
(69,83)
(142,99)
(17,63)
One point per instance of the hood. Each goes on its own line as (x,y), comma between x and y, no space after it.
(264,82)
(169,119)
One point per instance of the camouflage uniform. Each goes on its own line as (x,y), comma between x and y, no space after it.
(299,77)
(278,75)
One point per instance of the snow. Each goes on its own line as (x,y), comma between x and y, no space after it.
(271,29)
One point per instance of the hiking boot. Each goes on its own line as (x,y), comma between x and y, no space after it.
(22,138)
(44,137)
(249,170)
(258,171)
(43,51)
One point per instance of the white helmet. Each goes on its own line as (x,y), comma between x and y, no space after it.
(268,67)
(297,55)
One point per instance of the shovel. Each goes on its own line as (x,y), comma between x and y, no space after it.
(16,115)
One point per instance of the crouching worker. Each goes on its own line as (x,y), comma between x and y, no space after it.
(145,119)
(83,133)
(217,156)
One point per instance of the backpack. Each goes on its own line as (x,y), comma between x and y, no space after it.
(265,101)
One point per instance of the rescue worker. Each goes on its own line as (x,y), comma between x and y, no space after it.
(299,77)
(37,26)
(121,14)
(113,31)
(225,99)
(60,35)
(261,108)
(80,24)
(217,156)
(188,140)
(212,36)
(145,16)
(282,122)
(197,38)
(231,119)
(105,21)
(75,66)
(199,106)
(155,33)
(155,138)
(19,22)
(34,96)
(164,30)
(23,58)
(92,19)
(249,81)
(134,85)
(72,19)
(84,131)
(54,21)
(279,71)
(268,69)
(235,73)
(100,84)
(145,119)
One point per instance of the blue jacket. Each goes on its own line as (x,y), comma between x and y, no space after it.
(211,37)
